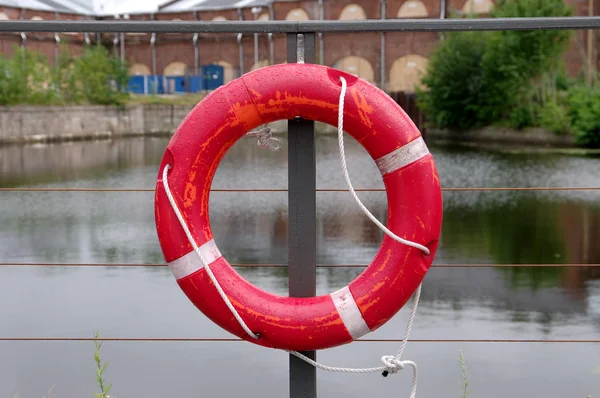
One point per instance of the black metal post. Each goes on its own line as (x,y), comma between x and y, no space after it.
(302,186)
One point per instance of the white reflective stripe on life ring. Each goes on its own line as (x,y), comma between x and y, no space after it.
(190,263)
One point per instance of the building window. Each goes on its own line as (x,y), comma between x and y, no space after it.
(406,73)
(413,9)
(139,70)
(477,6)
(297,14)
(352,12)
(175,69)
(228,71)
(356,66)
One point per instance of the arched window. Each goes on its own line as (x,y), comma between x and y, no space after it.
(406,73)
(228,72)
(219,18)
(297,14)
(478,6)
(139,70)
(69,33)
(352,12)
(175,69)
(357,66)
(413,9)
(3,17)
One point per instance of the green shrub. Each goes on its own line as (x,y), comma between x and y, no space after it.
(103,76)
(554,117)
(10,84)
(521,116)
(454,80)
(95,77)
(25,79)
(584,110)
(481,78)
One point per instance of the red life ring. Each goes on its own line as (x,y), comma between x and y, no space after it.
(373,119)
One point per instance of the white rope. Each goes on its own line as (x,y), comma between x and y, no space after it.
(349,184)
(265,138)
(391,364)
(197,250)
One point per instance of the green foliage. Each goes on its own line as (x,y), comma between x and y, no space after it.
(480,78)
(100,371)
(521,116)
(454,80)
(104,76)
(584,110)
(24,79)
(95,77)
(554,117)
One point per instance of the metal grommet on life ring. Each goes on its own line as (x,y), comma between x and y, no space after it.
(383,129)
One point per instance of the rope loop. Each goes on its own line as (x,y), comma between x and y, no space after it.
(265,139)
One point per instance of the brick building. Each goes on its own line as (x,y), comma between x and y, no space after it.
(393,60)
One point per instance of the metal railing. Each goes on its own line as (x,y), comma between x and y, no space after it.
(301,153)
(295,27)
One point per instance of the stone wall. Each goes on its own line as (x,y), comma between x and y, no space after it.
(22,124)
(30,124)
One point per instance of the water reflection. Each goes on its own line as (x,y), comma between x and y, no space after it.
(47,163)
(457,302)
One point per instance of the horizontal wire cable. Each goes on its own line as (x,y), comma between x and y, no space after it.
(133,265)
(231,339)
(285,190)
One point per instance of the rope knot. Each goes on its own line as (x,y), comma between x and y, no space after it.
(265,139)
(392,365)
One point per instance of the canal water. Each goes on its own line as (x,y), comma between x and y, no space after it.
(502,227)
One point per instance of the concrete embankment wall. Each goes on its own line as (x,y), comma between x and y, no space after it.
(30,124)
(23,124)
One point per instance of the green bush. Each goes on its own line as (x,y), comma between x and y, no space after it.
(95,77)
(584,111)
(480,78)
(10,83)
(521,116)
(25,79)
(554,117)
(102,76)
(454,80)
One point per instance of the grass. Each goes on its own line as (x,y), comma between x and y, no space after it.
(464,385)
(136,99)
(100,368)
(179,99)
(104,388)
(50,391)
